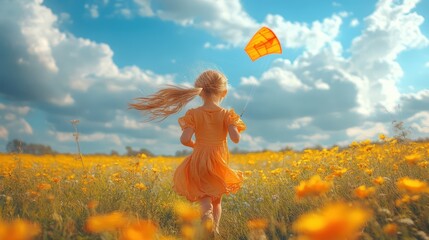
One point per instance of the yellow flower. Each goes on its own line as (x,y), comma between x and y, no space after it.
(406,199)
(339,172)
(186,212)
(412,186)
(140,186)
(105,223)
(276,171)
(413,158)
(381,136)
(188,231)
(315,186)
(378,180)
(364,192)
(334,222)
(141,230)
(369,171)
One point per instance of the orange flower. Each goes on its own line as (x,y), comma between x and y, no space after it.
(313,187)
(364,192)
(390,229)
(186,212)
(258,223)
(44,186)
(141,230)
(412,186)
(378,180)
(334,222)
(92,204)
(19,230)
(105,223)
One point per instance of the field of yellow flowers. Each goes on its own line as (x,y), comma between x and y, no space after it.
(369,190)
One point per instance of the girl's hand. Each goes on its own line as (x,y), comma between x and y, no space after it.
(186,138)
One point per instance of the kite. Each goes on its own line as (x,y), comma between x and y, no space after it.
(262,43)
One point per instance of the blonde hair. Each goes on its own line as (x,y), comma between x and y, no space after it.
(172,99)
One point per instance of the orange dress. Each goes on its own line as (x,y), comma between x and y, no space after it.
(205,173)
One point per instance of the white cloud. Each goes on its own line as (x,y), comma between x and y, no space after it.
(228,20)
(296,35)
(249,81)
(390,30)
(145,9)
(25,127)
(4,133)
(286,79)
(9,116)
(315,137)
(354,22)
(251,142)
(93,10)
(420,122)
(93,137)
(63,101)
(368,130)
(300,122)
(23,110)
(319,84)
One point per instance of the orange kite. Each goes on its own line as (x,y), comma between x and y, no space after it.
(262,43)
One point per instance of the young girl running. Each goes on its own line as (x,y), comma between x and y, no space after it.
(203,176)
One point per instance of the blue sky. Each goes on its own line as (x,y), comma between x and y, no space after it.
(347,69)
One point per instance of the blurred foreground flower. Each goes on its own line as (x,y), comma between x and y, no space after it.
(313,187)
(257,229)
(141,230)
(334,222)
(105,223)
(18,230)
(412,186)
(390,229)
(186,212)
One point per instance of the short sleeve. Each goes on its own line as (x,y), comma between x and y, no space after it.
(187,121)
(234,119)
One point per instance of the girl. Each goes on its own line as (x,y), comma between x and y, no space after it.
(203,176)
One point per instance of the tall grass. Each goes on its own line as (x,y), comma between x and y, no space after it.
(58,193)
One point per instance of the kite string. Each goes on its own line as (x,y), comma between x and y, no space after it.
(252,91)
(264,65)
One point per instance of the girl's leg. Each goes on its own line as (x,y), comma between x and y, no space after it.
(206,209)
(217,212)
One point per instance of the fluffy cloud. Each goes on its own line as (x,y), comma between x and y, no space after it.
(420,122)
(227,20)
(368,130)
(13,121)
(4,133)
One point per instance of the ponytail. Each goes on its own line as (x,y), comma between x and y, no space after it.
(165,102)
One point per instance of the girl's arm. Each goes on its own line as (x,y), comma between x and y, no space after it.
(186,138)
(233,133)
